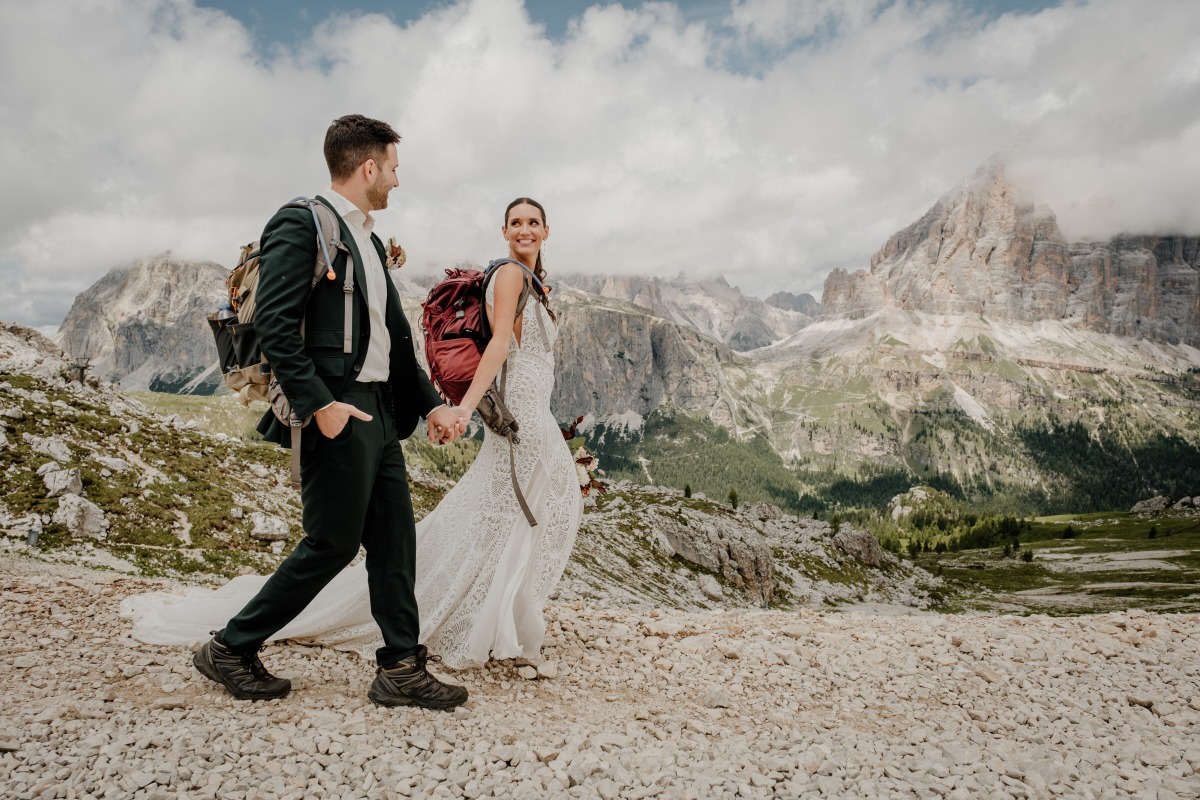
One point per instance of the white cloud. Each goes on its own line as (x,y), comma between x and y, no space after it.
(133,126)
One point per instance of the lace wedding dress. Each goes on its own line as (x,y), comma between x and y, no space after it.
(482,572)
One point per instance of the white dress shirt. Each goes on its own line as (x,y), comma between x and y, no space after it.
(375,366)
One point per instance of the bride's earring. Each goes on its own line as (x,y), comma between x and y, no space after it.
(542,253)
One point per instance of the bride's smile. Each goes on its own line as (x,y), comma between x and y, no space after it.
(525,232)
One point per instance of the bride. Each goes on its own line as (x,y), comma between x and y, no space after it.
(483,573)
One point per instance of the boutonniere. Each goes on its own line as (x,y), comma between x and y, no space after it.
(396,255)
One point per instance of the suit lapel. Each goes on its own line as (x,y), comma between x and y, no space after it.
(396,321)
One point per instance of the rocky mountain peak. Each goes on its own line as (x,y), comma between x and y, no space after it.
(801,303)
(141,322)
(984,249)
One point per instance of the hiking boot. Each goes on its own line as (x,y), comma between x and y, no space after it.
(408,683)
(242,674)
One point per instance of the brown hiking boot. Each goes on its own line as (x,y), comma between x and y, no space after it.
(242,674)
(408,683)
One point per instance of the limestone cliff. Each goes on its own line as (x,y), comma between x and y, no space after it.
(614,360)
(984,250)
(711,307)
(145,326)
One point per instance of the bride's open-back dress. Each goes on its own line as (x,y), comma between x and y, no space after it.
(483,573)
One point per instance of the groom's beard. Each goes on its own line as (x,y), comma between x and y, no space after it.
(377,194)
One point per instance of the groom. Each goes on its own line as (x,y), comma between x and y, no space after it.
(353,484)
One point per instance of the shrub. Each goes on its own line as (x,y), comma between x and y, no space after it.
(1153,531)
(1068,533)
(1027,556)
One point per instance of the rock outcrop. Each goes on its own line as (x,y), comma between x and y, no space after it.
(737,553)
(1145,286)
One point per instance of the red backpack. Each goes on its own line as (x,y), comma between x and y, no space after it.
(456,331)
(456,328)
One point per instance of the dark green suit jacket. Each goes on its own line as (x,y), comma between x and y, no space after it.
(312,369)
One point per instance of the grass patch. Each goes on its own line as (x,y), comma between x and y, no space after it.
(1110,563)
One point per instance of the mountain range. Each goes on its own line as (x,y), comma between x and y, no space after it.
(979,351)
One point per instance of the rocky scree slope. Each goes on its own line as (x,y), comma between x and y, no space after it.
(627,704)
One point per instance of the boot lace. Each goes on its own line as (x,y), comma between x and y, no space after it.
(256,667)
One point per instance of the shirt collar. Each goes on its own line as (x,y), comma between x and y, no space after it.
(350,212)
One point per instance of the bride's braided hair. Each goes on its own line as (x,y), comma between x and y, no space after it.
(538,269)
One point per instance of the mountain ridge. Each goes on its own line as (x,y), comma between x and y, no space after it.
(975,331)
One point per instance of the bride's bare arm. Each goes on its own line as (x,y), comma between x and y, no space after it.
(508,281)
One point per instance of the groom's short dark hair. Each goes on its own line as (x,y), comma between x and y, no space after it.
(353,139)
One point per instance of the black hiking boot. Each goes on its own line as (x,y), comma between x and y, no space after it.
(408,683)
(242,674)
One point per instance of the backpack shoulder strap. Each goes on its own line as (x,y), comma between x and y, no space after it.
(329,242)
(526,291)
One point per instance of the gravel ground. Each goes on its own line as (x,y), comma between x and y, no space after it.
(864,703)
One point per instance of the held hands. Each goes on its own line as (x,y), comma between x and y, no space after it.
(445,424)
(332,418)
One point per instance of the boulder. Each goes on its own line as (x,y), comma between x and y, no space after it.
(1185,502)
(661,544)
(709,586)
(761,511)
(52,446)
(267,527)
(860,544)
(1153,504)
(115,464)
(60,481)
(81,517)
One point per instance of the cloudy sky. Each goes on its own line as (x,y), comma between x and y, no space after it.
(765,140)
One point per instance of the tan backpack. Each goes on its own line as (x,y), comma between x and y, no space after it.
(244,368)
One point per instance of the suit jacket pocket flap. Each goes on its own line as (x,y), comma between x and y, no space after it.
(323,337)
(330,365)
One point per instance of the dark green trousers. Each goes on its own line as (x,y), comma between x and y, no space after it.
(354,491)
